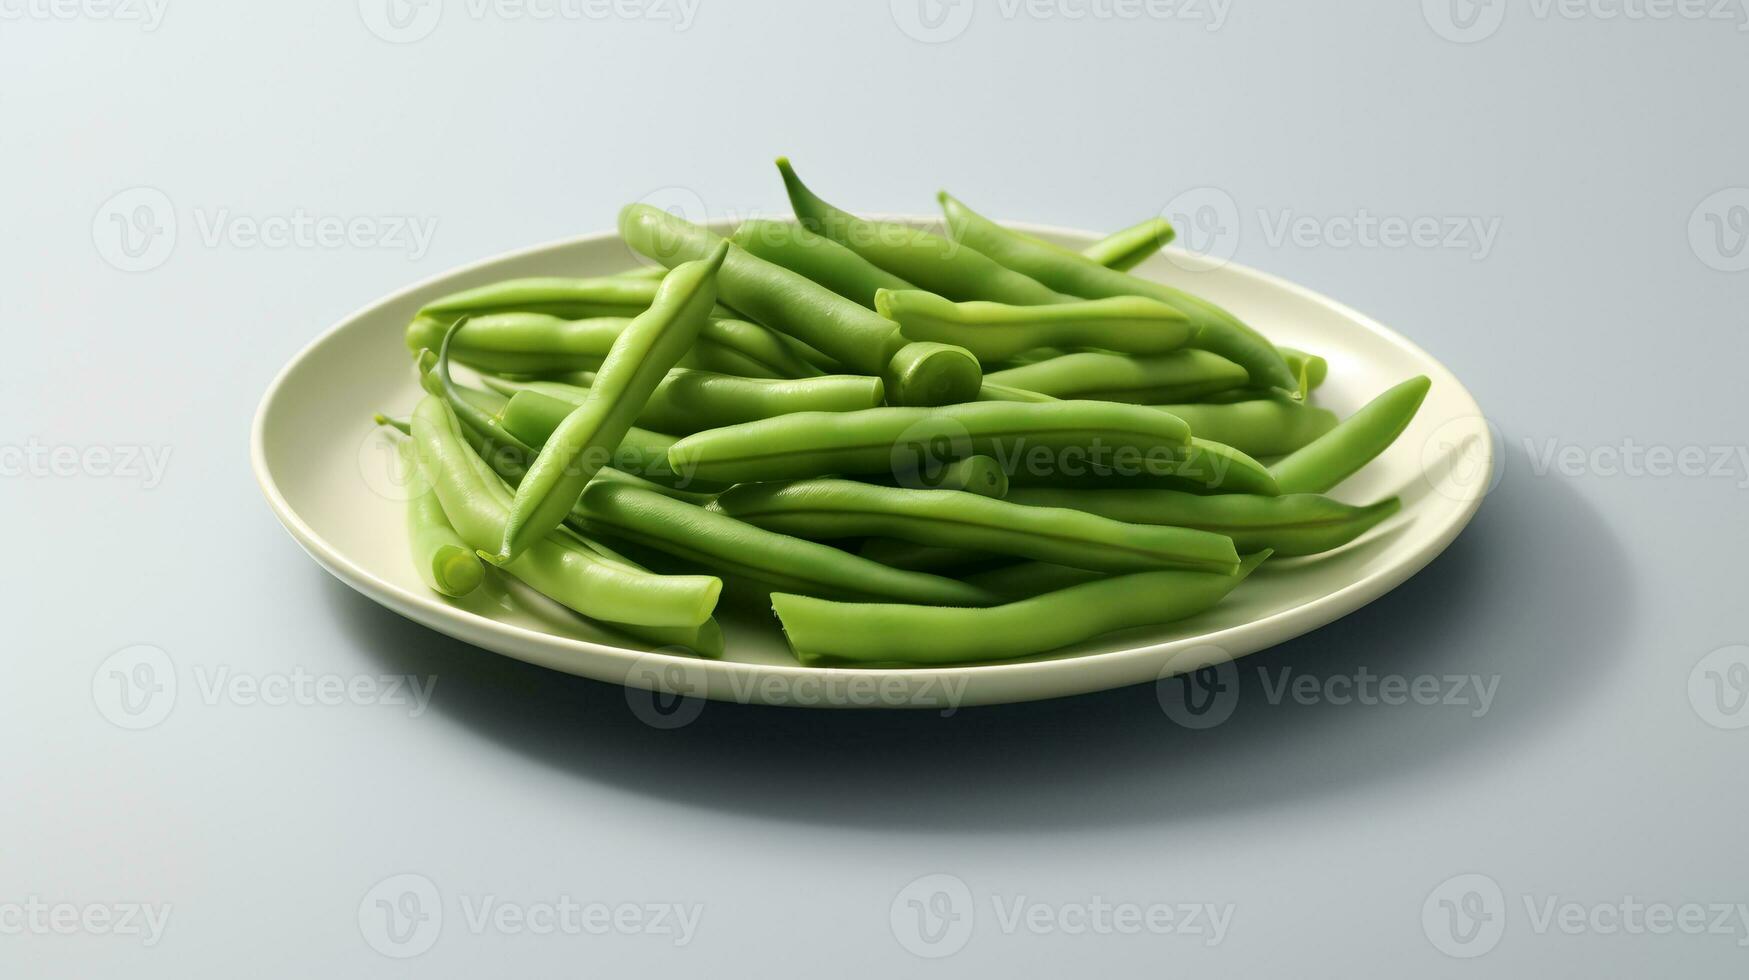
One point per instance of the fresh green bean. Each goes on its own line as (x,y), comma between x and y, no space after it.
(688,401)
(1131,247)
(829,509)
(897,440)
(818,258)
(774,561)
(1070,272)
(982,475)
(941,266)
(861,340)
(569,298)
(478,410)
(536,343)
(1178,376)
(1311,367)
(1207,467)
(996,331)
(824,632)
(643,272)
(1290,525)
(599,589)
(442,558)
(1023,580)
(641,357)
(1003,393)
(1263,427)
(1356,441)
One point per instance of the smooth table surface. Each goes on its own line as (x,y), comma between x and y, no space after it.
(1588,300)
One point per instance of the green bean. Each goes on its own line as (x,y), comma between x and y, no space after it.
(1290,525)
(1311,367)
(982,475)
(1356,441)
(896,440)
(1264,427)
(570,298)
(1023,580)
(827,509)
(641,357)
(510,444)
(1070,272)
(861,340)
(996,331)
(536,343)
(823,632)
(476,409)
(442,558)
(643,272)
(988,392)
(818,258)
(599,589)
(1131,247)
(774,561)
(1179,376)
(689,401)
(939,265)
(1207,467)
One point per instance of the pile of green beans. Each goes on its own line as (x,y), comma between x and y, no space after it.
(914,449)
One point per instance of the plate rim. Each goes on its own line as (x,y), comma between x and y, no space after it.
(465,625)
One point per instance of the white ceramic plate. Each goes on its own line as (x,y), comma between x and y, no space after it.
(331,478)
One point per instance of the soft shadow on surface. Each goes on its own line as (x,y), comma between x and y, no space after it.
(1535,593)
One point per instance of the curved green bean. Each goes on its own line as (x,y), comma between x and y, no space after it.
(1023,437)
(598,588)
(741,550)
(1355,441)
(823,632)
(444,561)
(537,343)
(860,339)
(688,401)
(569,298)
(1178,376)
(1290,525)
(641,357)
(829,509)
(1312,368)
(1126,249)
(1023,580)
(941,266)
(1070,272)
(997,331)
(817,257)
(1207,467)
(1263,427)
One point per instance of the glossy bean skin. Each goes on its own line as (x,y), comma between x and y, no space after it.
(641,453)
(817,257)
(996,332)
(444,561)
(939,265)
(982,475)
(688,401)
(641,357)
(643,272)
(1263,427)
(771,560)
(1207,467)
(1178,376)
(538,344)
(1290,525)
(899,440)
(597,588)
(1310,367)
(858,338)
(824,632)
(831,509)
(1023,580)
(1070,272)
(1126,249)
(1354,442)
(566,298)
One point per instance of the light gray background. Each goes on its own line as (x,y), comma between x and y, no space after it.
(1605,767)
